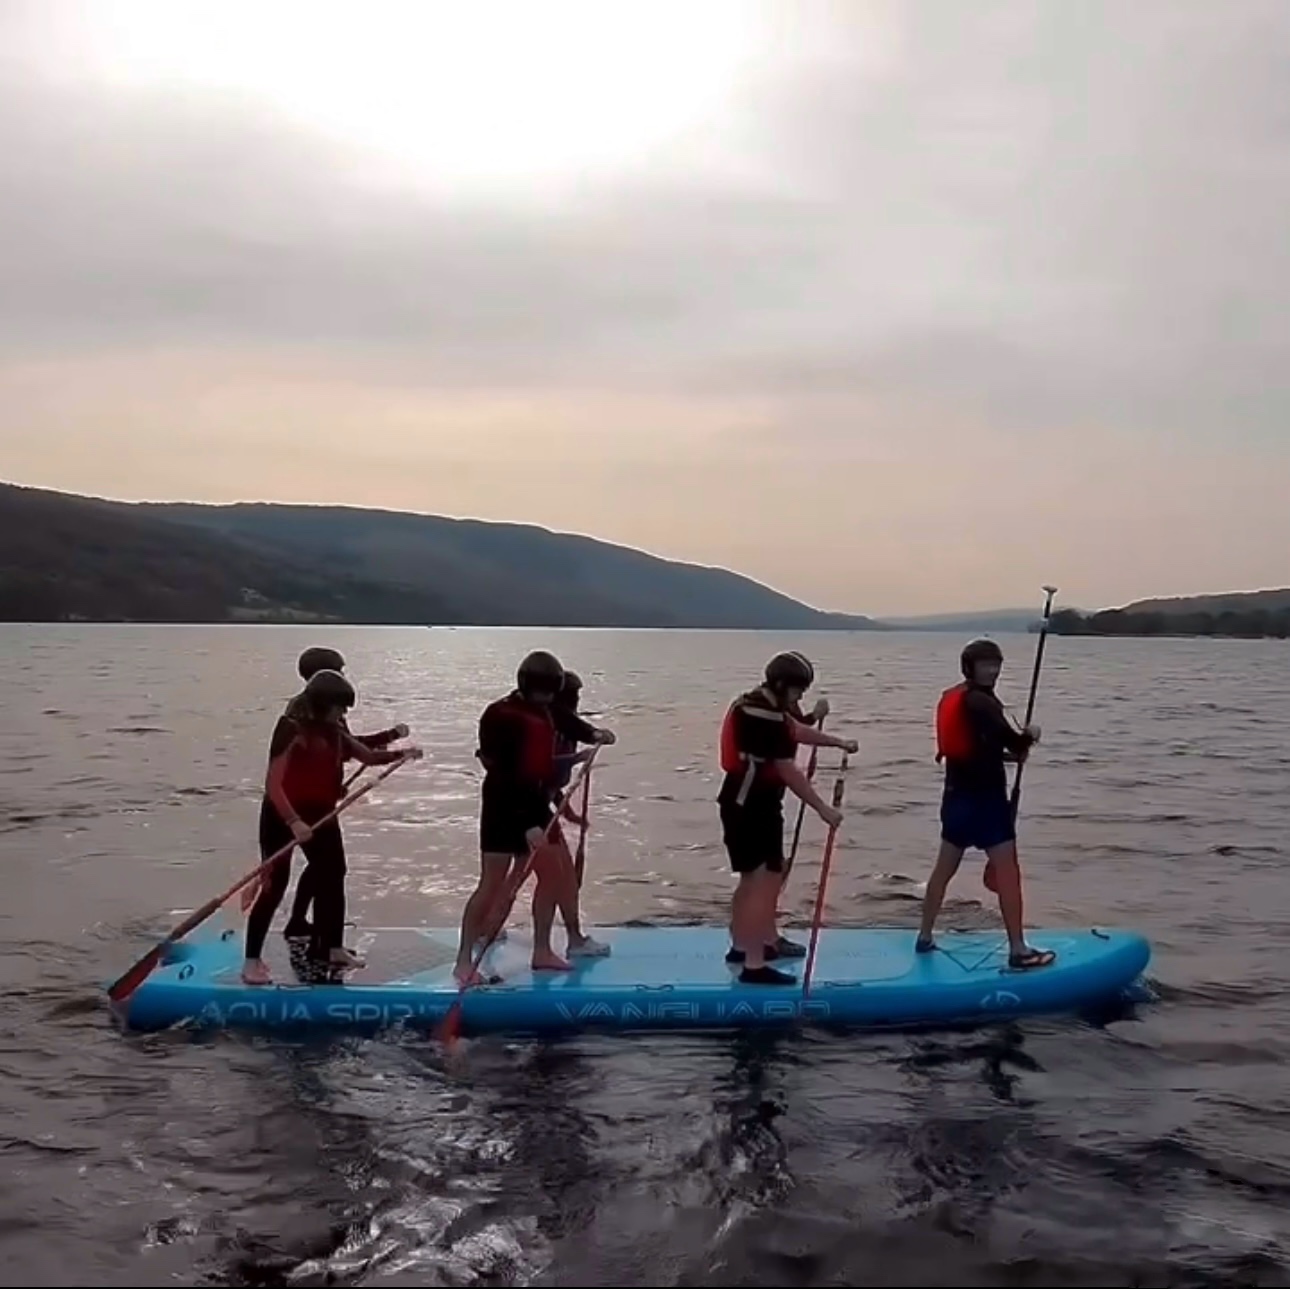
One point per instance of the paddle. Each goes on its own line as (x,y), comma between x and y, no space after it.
(580,860)
(450,1026)
(824,881)
(987,876)
(801,809)
(122,988)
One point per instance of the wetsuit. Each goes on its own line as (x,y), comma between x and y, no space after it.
(298,927)
(975,809)
(751,798)
(312,784)
(517,747)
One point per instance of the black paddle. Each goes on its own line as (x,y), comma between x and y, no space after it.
(1049,591)
(987,873)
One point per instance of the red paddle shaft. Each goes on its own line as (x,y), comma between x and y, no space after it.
(838,788)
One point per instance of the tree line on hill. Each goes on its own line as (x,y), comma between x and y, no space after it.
(1248,624)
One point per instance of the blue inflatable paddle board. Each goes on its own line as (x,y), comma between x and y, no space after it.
(658,977)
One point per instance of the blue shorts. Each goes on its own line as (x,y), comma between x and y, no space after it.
(983,822)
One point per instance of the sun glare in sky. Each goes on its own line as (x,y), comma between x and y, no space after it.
(483,92)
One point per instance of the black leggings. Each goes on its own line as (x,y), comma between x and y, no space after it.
(325,860)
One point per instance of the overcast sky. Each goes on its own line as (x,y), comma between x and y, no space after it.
(898,307)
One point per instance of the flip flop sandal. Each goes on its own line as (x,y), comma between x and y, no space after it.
(1029,959)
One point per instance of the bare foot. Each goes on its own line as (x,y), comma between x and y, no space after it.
(550,962)
(255,972)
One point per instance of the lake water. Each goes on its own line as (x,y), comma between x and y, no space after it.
(1152,1150)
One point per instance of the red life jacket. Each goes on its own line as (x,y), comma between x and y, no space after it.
(313,774)
(736,761)
(535,765)
(955,740)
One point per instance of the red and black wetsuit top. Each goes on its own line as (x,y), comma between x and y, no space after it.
(517,742)
(297,711)
(754,735)
(312,779)
(973,738)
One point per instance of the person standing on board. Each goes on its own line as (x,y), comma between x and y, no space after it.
(313,660)
(302,786)
(568,734)
(780,946)
(974,738)
(517,750)
(759,740)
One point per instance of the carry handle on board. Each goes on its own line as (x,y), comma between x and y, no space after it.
(451,1023)
(122,988)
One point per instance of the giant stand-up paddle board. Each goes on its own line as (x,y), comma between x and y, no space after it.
(672,977)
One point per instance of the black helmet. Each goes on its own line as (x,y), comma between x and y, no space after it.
(319,658)
(327,689)
(787,670)
(570,690)
(540,672)
(976,651)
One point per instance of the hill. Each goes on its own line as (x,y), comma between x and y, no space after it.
(504,574)
(80,559)
(1243,614)
(1271,601)
(84,558)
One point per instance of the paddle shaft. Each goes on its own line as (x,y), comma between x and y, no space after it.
(1034,689)
(136,975)
(580,860)
(801,806)
(816,921)
(448,1026)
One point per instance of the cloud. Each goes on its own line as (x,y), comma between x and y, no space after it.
(1030,243)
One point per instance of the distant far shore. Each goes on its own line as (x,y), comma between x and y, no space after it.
(1250,624)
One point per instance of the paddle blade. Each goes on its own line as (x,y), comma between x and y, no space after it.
(449,1030)
(122,988)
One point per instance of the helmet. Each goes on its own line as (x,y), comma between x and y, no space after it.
(540,672)
(570,690)
(978,651)
(327,689)
(787,670)
(319,658)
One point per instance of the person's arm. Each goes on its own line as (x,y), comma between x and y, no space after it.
(799,785)
(817,738)
(280,747)
(501,742)
(573,727)
(768,736)
(359,751)
(382,738)
(993,728)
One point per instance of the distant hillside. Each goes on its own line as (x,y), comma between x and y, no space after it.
(84,558)
(1271,601)
(74,558)
(511,574)
(1243,614)
(981,620)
